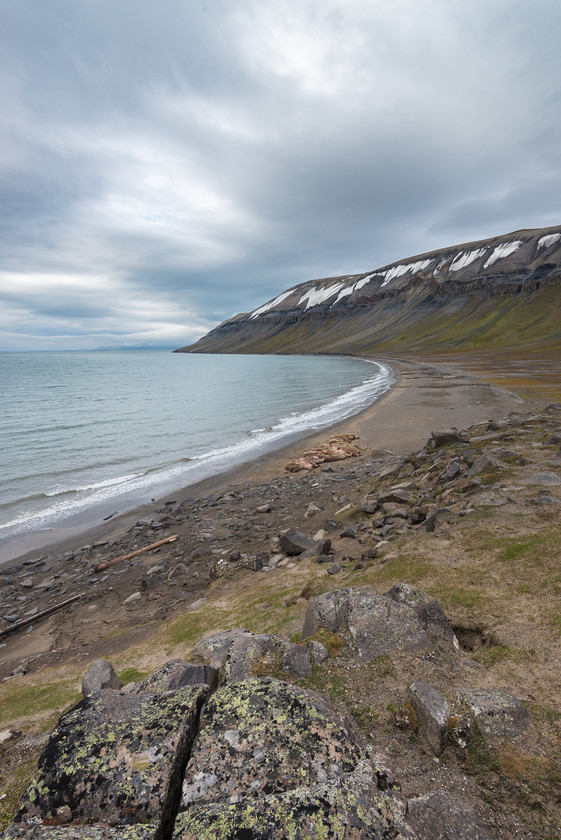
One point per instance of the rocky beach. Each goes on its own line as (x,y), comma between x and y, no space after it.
(433,548)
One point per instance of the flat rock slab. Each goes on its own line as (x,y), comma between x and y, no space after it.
(263,736)
(549,479)
(378,624)
(497,713)
(348,808)
(441,816)
(112,757)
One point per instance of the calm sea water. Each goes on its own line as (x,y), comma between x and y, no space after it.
(99,433)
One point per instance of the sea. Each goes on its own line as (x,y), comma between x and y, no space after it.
(85,436)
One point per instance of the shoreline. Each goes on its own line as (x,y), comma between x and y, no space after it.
(425,395)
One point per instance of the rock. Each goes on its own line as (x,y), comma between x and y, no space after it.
(418,515)
(312,510)
(432,710)
(297,660)
(111,757)
(334,569)
(27,583)
(136,596)
(177,674)
(546,478)
(293,542)
(441,816)
(377,624)
(348,533)
(396,496)
(483,464)
(239,654)
(427,609)
(453,470)
(368,504)
(78,832)
(497,713)
(8,735)
(489,499)
(274,761)
(555,437)
(432,520)
(318,652)
(556,462)
(266,508)
(445,436)
(100,676)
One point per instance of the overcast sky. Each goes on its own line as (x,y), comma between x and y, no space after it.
(166,164)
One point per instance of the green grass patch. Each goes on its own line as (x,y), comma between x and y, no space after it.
(132,675)
(19,699)
(19,779)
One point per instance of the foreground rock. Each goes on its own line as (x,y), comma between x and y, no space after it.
(238,654)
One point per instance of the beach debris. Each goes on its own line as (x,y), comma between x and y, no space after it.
(337,448)
(102,566)
(32,619)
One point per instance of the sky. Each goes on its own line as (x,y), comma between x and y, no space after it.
(166,164)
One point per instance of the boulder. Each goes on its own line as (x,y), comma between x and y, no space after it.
(437,517)
(483,464)
(441,816)
(427,609)
(275,761)
(497,713)
(378,625)
(111,758)
(239,654)
(78,832)
(444,436)
(178,674)
(99,676)
(293,543)
(432,710)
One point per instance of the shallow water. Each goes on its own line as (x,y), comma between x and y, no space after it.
(103,432)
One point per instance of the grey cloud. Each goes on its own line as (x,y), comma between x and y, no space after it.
(202,157)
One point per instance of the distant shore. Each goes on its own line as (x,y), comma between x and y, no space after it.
(426,396)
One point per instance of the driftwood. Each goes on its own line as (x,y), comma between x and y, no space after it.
(102,566)
(24,622)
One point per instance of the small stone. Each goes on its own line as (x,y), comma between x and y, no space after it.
(266,508)
(441,438)
(99,677)
(136,596)
(334,569)
(544,478)
(318,652)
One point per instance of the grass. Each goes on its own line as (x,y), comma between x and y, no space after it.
(20,699)
(18,780)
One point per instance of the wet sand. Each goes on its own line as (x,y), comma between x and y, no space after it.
(426,396)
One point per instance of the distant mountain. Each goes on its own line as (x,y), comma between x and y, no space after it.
(500,292)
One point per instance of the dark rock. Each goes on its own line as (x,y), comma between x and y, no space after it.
(293,542)
(445,436)
(432,710)
(334,569)
(432,520)
(297,660)
(348,533)
(177,674)
(99,676)
(453,470)
(377,624)
(324,558)
(397,496)
(555,437)
(427,609)
(111,757)
(79,832)
(441,816)
(497,713)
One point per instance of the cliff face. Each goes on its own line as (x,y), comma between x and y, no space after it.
(497,292)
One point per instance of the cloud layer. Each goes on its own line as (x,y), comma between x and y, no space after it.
(164,166)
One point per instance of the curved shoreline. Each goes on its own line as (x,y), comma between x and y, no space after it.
(425,396)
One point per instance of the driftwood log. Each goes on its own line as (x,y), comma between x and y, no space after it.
(102,566)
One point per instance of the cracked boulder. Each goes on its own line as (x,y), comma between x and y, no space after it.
(379,624)
(178,674)
(239,654)
(275,761)
(112,758)
(497,713)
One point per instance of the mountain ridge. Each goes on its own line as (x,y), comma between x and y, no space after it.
(497,292)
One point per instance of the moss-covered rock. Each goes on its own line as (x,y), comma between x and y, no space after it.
(113,756)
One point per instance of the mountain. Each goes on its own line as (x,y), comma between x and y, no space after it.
(495,293)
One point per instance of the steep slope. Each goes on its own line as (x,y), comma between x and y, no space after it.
(499,292)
